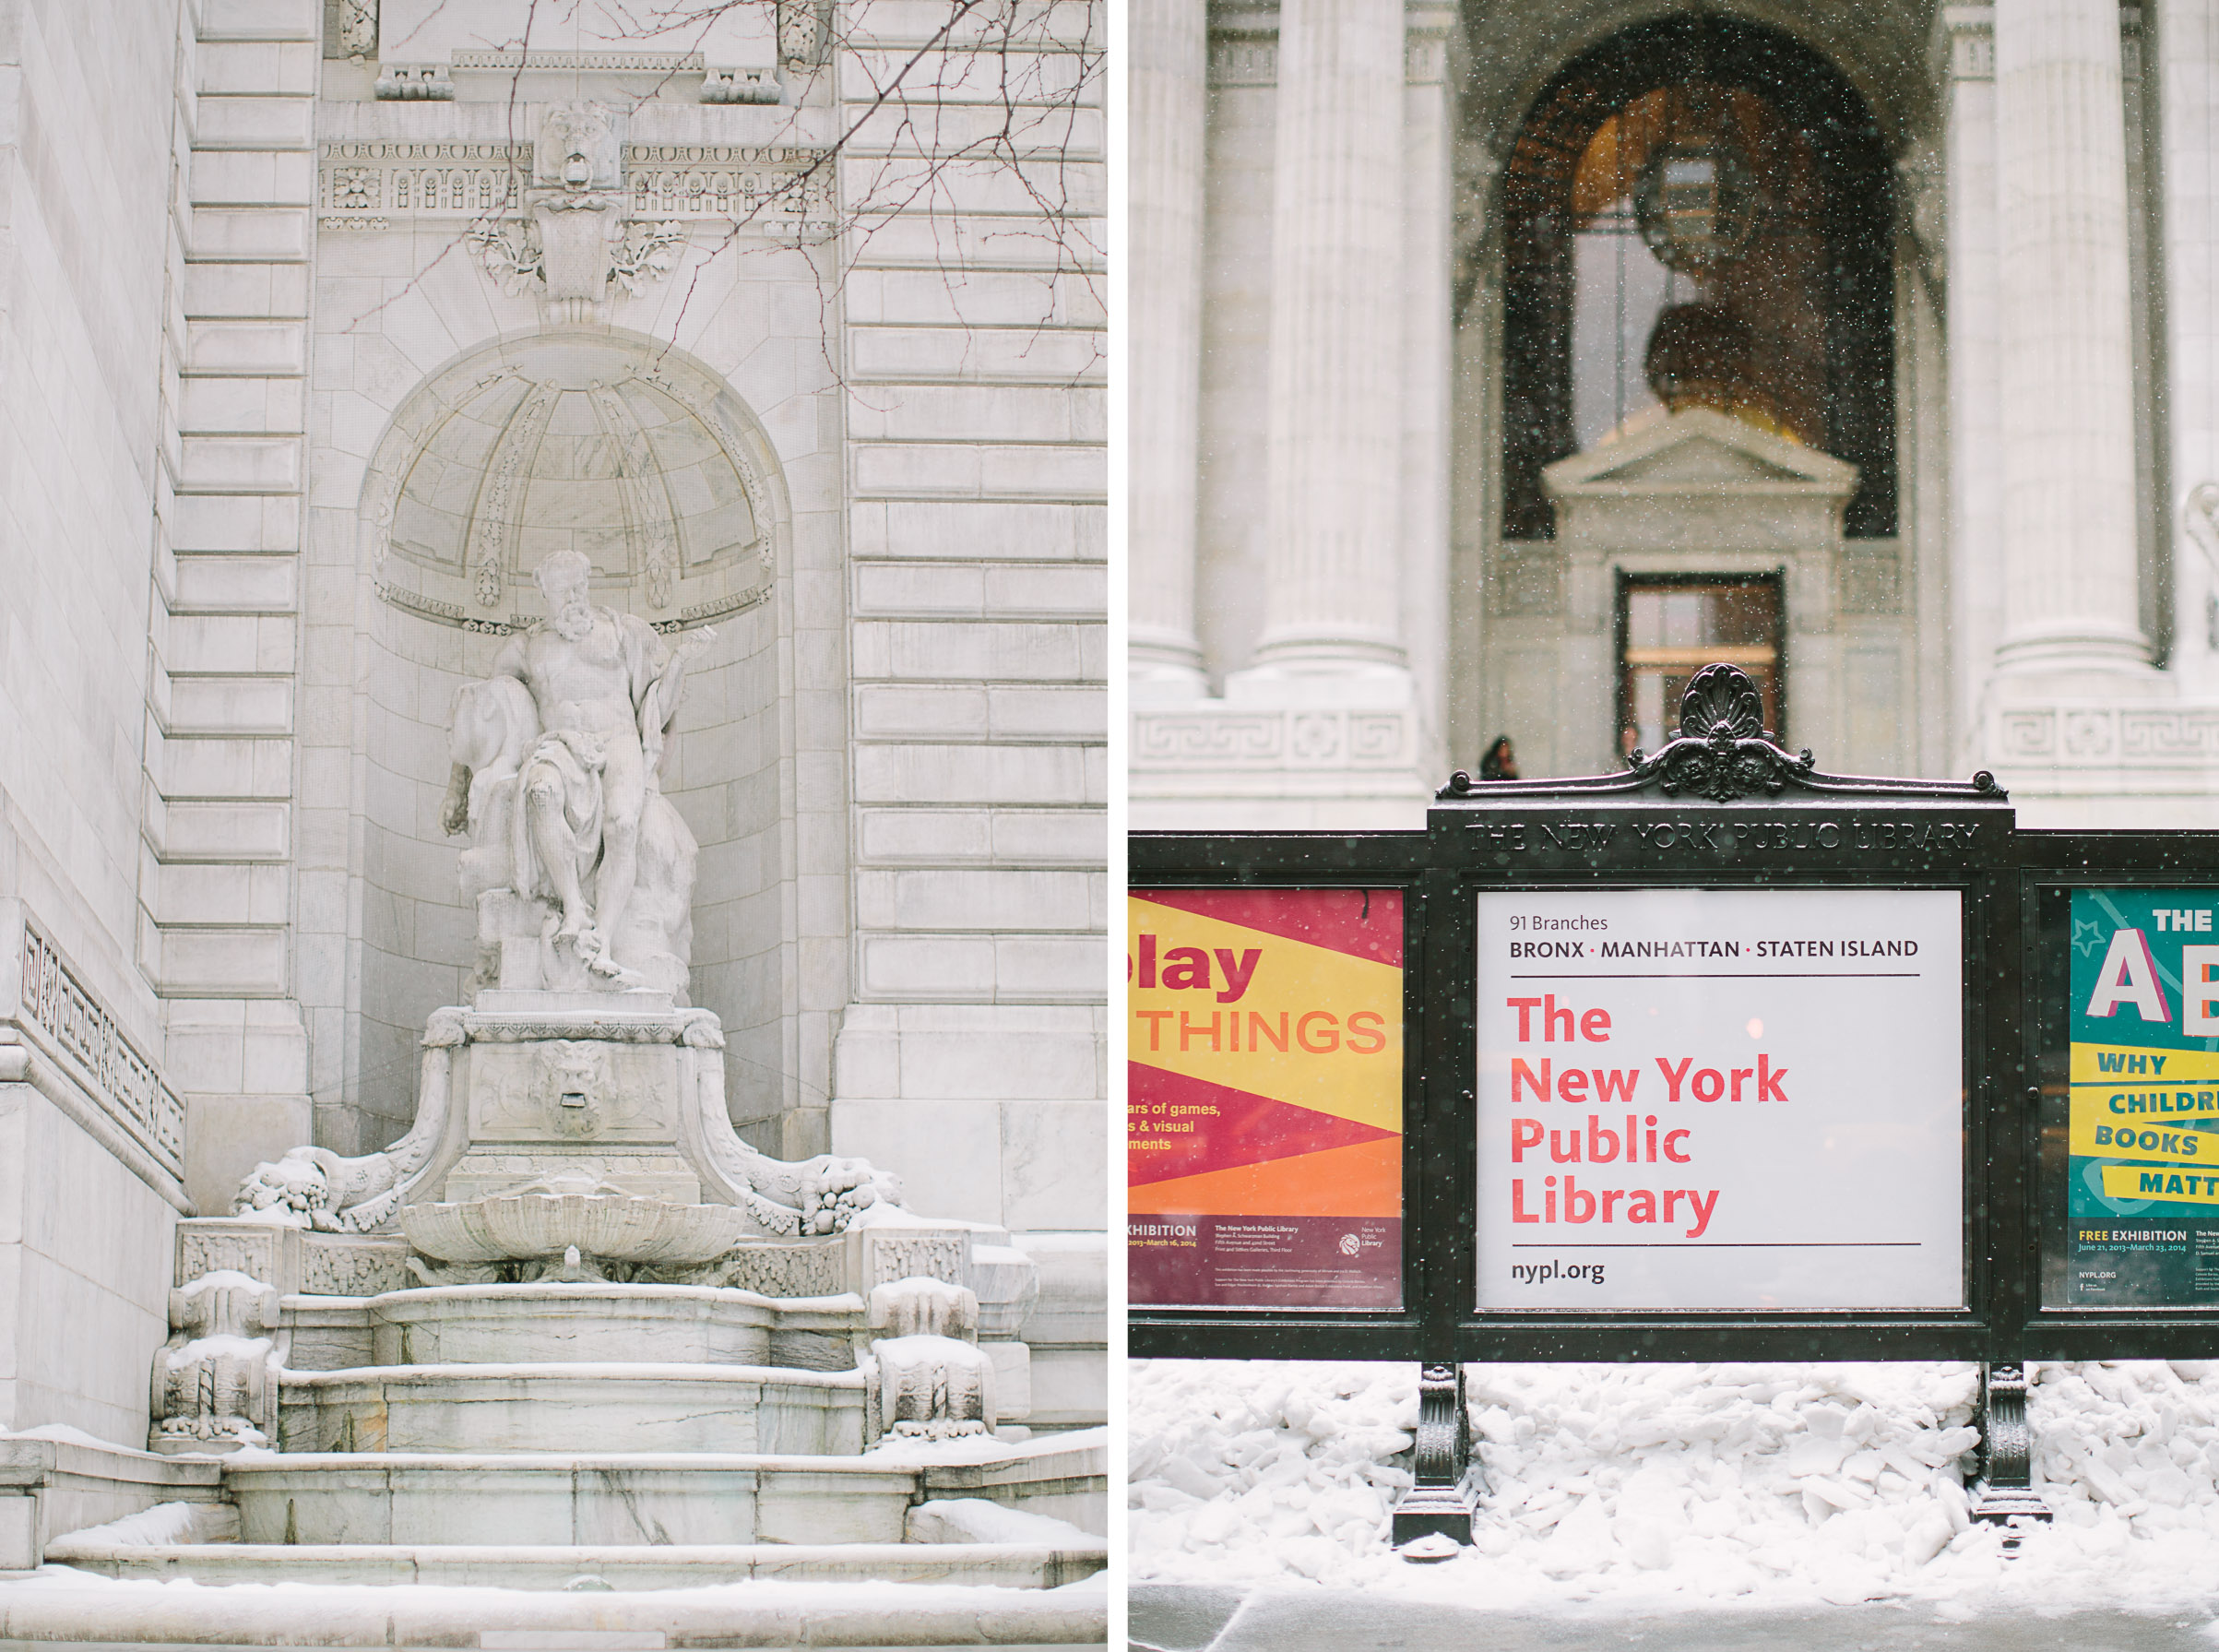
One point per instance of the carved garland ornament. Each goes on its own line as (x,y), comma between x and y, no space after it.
(511,252)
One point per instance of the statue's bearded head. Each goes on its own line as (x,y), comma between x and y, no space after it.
(561,578)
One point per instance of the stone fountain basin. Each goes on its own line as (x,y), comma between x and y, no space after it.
(617,1226)
(553,1406)
(553,1324)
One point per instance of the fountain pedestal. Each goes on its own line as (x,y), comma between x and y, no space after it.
(570,1309)
(572,1252)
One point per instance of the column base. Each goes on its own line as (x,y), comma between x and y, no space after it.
(2076,660)
(1164,664)
(1161,683)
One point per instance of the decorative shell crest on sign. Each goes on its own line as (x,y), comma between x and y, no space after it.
(1723,752)
(1720,699)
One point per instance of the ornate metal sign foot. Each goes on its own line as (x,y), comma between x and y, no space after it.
(1440,1505)
(2005,1495)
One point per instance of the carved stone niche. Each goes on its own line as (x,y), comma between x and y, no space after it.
(1696,492)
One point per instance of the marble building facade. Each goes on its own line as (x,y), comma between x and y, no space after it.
(1365,541)
(323,326)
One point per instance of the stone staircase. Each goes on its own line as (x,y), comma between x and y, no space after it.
(582,1567)
(475,1360)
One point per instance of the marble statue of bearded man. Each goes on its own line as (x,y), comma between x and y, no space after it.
(606,689)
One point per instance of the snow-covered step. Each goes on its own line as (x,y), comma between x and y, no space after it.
(757,1612)
(556,1408)
(558,1498)
(635,1566)
(621,1498)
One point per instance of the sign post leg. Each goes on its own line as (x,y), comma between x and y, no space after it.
(1438,1506)
(2006,1496)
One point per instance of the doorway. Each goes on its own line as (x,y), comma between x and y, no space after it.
(1671,626)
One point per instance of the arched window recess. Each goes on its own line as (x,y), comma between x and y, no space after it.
(1698,212)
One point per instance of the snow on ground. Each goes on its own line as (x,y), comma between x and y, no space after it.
(1681,1484)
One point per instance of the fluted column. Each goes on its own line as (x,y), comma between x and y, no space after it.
(1169,50)
(2187,101)
(1963,47)
(1335,337)
(2069,586)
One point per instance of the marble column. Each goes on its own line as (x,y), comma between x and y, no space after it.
(2070,603)
(1964,52)
(1170,55)
(1428,353)
(1333,601)
(2187,102)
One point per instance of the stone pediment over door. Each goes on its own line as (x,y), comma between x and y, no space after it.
(1699,482)
(1700,450)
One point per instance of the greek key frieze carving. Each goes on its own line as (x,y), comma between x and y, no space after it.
(1269,740)
(2028,733)
(1194,741)
(2090,734)
(2178,736)
(2155,737)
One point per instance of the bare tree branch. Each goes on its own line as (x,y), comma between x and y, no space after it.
(993,100)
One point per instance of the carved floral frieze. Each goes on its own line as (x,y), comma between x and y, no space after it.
(96,1053)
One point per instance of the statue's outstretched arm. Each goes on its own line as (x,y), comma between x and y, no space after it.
(658,699)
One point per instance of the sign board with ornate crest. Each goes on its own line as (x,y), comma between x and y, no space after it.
(1724,1056)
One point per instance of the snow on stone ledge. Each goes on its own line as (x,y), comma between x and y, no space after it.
(976,1520)
(164,1523)
(1691,1484)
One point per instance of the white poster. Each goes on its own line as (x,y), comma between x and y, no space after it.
(1721,1098)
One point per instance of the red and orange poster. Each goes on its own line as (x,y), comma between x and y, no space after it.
(1264,1112)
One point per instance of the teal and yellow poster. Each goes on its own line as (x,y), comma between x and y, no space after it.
(2142,1206)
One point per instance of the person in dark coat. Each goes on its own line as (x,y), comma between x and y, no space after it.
(1501,763)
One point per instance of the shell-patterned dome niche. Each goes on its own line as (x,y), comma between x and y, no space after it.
(623,451)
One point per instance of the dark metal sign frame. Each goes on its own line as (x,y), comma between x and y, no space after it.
(1441,871)
(2049,863)
(1720,807)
